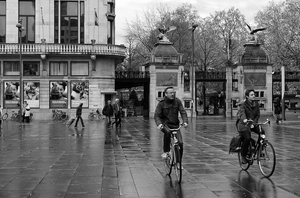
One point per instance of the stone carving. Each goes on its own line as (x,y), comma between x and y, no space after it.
(163,31)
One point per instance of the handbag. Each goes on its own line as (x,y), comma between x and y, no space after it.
(234,145)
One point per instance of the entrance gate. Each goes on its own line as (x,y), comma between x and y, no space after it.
(131,79)
(210,93)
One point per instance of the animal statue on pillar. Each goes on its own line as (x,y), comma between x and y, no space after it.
(253,36)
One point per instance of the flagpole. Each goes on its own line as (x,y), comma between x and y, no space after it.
(42,22)
(95,15)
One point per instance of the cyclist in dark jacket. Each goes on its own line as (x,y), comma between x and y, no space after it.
(249,110)
(166,117)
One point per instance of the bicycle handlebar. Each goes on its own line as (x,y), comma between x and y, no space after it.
(180,125)
(258,123)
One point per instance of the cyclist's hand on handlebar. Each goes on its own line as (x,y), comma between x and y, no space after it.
(160,127)
(185,124)
(245,120)
(252,126)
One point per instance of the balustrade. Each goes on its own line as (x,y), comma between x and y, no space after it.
(53,48)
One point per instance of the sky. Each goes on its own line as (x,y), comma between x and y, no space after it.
(126,10)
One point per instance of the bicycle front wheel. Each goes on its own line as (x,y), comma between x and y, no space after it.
(5,116)
(177,163)
(266,159)
(91,117)
(168,162)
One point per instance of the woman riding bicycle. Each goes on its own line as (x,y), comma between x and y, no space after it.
(249,110)
(166,117)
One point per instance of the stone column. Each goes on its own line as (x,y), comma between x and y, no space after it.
(228,92)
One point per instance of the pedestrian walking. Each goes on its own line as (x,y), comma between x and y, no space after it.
(1,114)
(27,112)
(23,111)
(277,109)
(78,115)
(108,111)
(117,111)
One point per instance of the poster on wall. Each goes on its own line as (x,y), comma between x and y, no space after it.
(32,93)
(58,94)
(11,94)
(79,93)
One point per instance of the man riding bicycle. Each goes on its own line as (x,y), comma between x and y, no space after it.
(166,118)
(249,110)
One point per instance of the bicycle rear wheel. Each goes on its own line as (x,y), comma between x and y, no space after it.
(177,163)
(5,116)
(266,159)
(64,116)
(247,165)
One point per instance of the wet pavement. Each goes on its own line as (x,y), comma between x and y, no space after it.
(46,159)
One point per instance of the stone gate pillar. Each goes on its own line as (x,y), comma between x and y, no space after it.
(166,69)
(254,71)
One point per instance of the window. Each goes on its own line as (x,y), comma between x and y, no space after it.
(2,21)
(187,104)
(110,22)
(58,68)
(160,94)
(31,68)
(79,68)
(69,22)
(11,68)
(27,15)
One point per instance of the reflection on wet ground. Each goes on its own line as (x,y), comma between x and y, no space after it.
(46,159)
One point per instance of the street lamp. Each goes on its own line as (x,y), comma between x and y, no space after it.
(194,26)
(20,29)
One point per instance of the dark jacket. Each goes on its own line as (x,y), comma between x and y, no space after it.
(115,109)
(108,110)
(248,111)
(277,106)
(167,113)
(79,110)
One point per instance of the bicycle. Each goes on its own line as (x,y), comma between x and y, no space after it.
(59,115)
(174,157)
(262,151)
(15,115)
(95,115)
(5,115)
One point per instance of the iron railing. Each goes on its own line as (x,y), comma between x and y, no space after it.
(131,74)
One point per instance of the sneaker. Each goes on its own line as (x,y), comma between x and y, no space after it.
(244,160)
(83,126)
(75,126)
(164,155)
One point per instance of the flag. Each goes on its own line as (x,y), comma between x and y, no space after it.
(96,18)
(43,22)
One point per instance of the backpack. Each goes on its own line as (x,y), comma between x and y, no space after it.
(234,145)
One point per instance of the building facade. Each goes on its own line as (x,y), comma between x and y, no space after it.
(58,53)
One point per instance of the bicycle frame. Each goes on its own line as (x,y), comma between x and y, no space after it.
(261,153)
(174,157)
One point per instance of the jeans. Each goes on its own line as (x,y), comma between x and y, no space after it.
(79,117)
(246,138)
